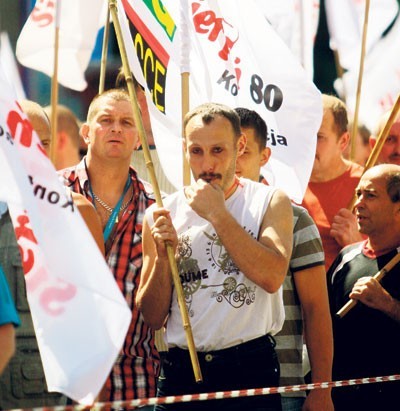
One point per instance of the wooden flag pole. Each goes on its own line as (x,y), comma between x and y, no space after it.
(104,52)
(340,73)
(153,179)
(359,85)
(185,109)
(378,276)
(185,75)
(54,85)
(379,143)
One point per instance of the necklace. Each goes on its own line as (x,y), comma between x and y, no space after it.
(113,218)
(107,207)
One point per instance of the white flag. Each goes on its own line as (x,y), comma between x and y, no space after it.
(381,80)
(296,22)
(345,20)
(9,64)
(236,59)
(79,23)
(79,313)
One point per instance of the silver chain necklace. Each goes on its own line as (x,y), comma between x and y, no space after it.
(107,207)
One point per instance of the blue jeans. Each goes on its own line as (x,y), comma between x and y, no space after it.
(292,403)
(253,364)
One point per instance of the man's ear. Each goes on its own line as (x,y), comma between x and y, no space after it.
(85,132)
(61,140)
(344,140)
(184,148)
(241,144)
(265,155)
(372,142)
(138,142)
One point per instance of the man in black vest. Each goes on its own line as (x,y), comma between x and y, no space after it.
(367,339)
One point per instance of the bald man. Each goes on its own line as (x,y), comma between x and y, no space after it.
(39,120)
(68,139)
(367,339)
(41,124)
(390,152)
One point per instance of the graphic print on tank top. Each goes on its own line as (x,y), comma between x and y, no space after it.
(220,275)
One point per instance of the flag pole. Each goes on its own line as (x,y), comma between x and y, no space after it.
(304,21)
(378,277)
(380,141)
(54,85)
(104,51)
(185,73)
(340,73)
(185,109)
(359,85)
(153,180)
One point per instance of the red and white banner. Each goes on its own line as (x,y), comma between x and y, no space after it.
(79,313)
(79,22)
(234,58)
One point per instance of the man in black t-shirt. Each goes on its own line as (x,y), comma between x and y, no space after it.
(367,339)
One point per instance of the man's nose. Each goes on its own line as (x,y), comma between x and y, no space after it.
(397,145)
(116,126)
(208,163)
(359,202)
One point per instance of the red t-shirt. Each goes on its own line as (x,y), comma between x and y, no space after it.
(323,200)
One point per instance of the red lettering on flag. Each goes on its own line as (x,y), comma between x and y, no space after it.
(207,22)
(22,231)
(43,13)
(15,122)
(53,295)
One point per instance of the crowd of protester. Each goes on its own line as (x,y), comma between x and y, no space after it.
(262,277)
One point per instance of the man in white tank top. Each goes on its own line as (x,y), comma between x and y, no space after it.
(233,239)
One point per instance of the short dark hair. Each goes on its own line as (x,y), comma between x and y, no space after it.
(251,119)
(393,186)
(208,112)
(120,80)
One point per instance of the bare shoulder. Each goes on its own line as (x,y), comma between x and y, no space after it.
(80,200)
(90,216)
(280,204)
(85,207)
(279,212)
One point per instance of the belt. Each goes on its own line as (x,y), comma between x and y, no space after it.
(266,341)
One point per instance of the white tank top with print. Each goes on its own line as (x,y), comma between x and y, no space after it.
(225,307)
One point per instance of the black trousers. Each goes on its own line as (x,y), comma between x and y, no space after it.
(368,397)
(253,364)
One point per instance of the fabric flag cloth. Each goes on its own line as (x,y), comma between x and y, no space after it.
(79,22)
(7,59)
(345,20)
(381,80)
(296,22)
(79,314)
(234,58)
